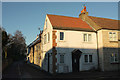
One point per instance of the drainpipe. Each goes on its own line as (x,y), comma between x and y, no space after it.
(97,50)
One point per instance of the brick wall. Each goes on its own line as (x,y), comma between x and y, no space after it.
(54,51)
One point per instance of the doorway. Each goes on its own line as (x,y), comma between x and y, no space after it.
(75,60)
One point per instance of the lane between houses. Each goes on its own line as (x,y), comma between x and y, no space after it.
(22,70)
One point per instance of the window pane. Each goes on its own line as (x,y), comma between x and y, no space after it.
(48,37)
(45,39)
(85,37)
(110,32)
(89,37)
(61,58)
(86,58)
(112,57)
(110,35)
(90,58)
(116,57)
(114,36)
(61,36)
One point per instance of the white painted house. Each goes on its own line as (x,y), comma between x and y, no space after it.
(69,44)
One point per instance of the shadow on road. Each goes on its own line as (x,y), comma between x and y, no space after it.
(21,70)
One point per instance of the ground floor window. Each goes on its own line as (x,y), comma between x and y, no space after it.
(114,57)
(61,58)
(88,58)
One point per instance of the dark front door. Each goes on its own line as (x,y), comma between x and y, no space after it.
(76,60)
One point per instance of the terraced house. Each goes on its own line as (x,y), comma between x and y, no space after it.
(34,51)
(72,44)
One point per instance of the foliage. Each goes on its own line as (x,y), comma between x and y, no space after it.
(4,38)
(4,42)
(14,45)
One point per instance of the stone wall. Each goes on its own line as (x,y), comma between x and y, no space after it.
(106,48)
(109,47)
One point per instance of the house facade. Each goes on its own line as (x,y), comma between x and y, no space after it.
(34,51)
(61,44)
(108,45)
(107,31)
(70,44)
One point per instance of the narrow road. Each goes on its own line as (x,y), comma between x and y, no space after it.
(22,70)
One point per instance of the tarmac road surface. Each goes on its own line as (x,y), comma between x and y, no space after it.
(20,70)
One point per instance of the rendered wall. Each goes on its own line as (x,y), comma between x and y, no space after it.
(47,48)
(74,40)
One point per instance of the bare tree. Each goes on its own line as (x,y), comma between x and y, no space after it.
(17,47)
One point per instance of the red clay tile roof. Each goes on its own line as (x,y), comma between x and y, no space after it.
(70,23)
(105,23)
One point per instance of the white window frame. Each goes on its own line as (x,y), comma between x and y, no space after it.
(112,36)
(87,37)
(48,37)
(63,35)
(88,61)
(45,39)
(112,56)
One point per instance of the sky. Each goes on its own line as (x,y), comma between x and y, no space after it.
(29,16)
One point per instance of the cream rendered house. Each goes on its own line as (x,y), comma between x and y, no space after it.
(69,45)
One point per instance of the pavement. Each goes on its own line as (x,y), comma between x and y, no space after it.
(21,70)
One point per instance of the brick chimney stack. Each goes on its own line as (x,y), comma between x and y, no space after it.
(83,13)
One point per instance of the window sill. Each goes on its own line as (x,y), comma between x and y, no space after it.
(113,41)
(115,63)
(88,42)
(90,63)
(62,41)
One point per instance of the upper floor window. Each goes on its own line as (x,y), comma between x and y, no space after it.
(48,37)
(61,35)
(114,57)
(45,39)
(87,37)
(112,36)
(88,58)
